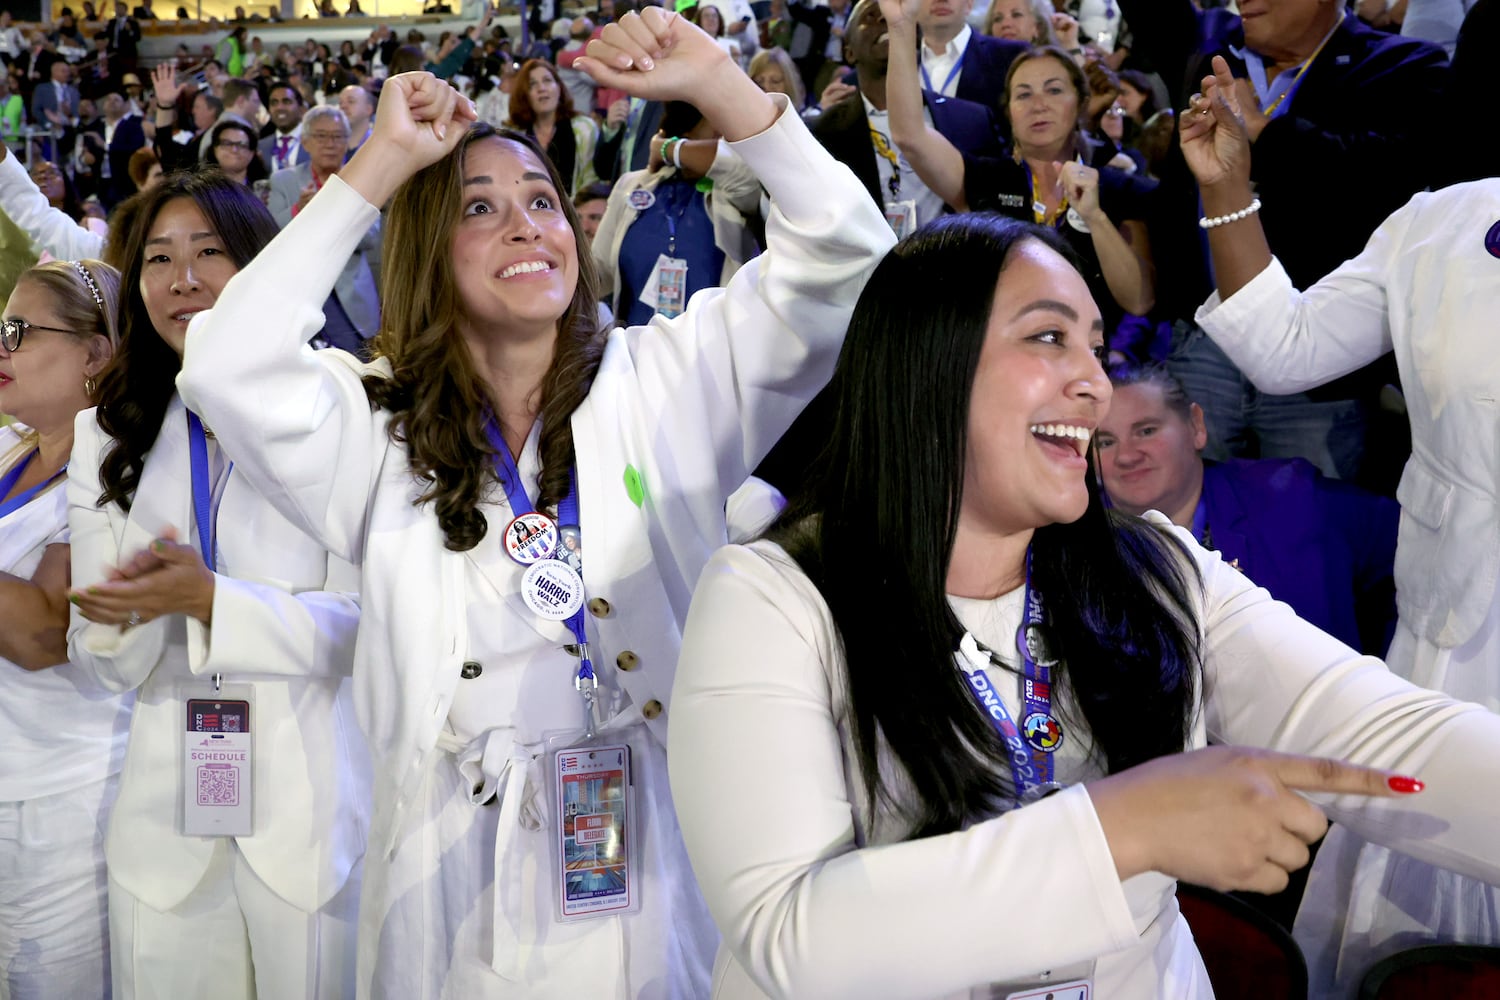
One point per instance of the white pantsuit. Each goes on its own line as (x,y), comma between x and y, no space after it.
(283,623)
(678,414)
(1427,288)
(62,744)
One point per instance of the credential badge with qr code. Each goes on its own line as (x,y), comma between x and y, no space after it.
(217,768)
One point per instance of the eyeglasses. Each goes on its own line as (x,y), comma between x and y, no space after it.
(328,136)
(13,331)
(243,147)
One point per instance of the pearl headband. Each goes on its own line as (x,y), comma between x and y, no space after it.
(88,279)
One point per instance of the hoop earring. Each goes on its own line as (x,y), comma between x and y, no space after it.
(90,387)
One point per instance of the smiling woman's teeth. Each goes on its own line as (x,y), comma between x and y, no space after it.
(525,267)
(1062,431)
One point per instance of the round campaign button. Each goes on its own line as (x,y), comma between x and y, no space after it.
(1076,220)
(1492,240)
(640,200)
(1042,732)
(552,589)
(530,538)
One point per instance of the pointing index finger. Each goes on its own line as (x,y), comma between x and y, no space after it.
(1323,774)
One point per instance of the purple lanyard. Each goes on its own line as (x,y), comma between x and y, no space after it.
(12,477)
(1031,745)
(567,514)
(203,493)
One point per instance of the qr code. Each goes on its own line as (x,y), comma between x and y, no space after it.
(218,785)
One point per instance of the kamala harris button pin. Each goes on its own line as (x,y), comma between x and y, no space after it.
(530,538)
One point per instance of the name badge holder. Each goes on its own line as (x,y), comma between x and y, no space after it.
(218,759)
(668,283)
(1075,989)
(594,853)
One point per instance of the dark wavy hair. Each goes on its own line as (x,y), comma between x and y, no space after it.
(439,404)
(875,526)
(139,382)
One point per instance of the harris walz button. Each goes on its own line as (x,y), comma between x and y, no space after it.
(627,661)
(599,608)
(471,669)
(651,709)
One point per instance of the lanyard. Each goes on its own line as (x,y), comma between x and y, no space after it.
(14,476)
(1031,745)
(203,492)
(1200,529)
(1039,213)
(884,151)
(567,514)
(958,65)
(1279,94)
(673,197)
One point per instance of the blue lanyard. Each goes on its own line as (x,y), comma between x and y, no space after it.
(1200,522)
(673,192)
(567,514)
(1030,745)
(203,492)
(12,477)
(952,73)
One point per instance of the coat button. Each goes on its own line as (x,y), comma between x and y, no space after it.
(471,669)
(600,608)
(627,660)
(651,709)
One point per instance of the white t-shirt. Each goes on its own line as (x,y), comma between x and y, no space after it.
(58,729)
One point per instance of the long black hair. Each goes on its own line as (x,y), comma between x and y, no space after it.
(142,377)
(875,527)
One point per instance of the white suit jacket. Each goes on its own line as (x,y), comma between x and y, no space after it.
(816,900)
(277,626)
(358,286)
(678,415)
(1425,287)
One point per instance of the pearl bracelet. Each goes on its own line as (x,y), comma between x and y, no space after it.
(1224,220)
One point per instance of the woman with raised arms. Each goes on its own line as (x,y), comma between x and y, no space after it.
(524,842)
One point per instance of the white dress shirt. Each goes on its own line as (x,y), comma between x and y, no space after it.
(937,67)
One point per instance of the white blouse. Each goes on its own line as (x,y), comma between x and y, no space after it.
(815,898)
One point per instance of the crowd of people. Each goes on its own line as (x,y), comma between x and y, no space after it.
(716,500)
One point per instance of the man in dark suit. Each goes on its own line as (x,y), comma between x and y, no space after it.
(1343,120)
(124,34)
(854,131)
(1326,548)
(99,74)
(124,133)
(281,144)
(958,61)
(848,129)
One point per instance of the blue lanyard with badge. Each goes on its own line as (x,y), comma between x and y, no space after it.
(594,866)
(218,747)
(958,65)
(1029,746)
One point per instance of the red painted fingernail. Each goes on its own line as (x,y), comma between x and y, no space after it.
(1404,785)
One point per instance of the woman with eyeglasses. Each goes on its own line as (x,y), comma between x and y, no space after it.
(62,735)
(233,860)
(232,148)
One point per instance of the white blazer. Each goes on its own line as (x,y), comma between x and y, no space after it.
(274,627)
(1425,287)
(679,414)
(819,895)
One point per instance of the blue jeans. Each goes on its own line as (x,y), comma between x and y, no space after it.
(1244,422)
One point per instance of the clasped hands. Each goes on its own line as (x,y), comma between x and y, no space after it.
(165,578)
